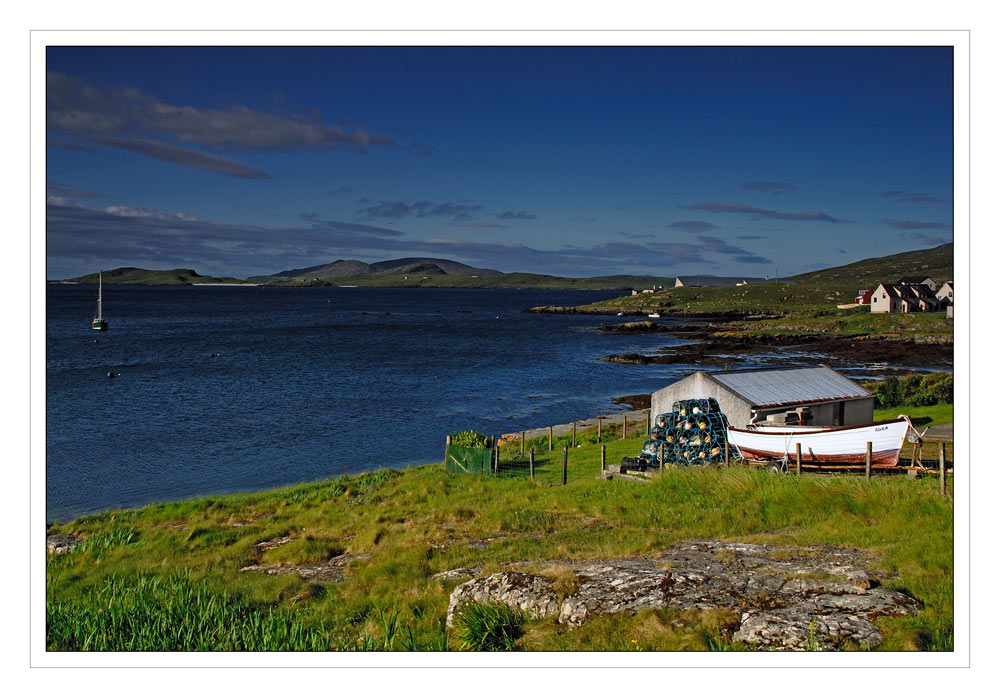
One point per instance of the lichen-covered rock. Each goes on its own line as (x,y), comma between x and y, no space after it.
(61,543)
(458,573)
(333,570)
(616,588)
(815,597)
(531,593)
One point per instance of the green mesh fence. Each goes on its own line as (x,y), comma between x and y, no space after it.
(472,461)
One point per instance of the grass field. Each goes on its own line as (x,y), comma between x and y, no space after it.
(937,414)
(167,576)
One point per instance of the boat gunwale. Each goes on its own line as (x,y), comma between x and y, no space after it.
(819,431)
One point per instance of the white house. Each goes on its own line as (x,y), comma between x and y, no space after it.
(946,294)
(918,281)
(903,298)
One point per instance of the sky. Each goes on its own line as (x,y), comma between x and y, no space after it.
(573,161)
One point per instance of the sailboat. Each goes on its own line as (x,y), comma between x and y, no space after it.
(99,323)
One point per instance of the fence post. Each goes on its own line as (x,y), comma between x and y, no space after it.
(624,425)
(550,438)
(496,461)
(798,459)
(602,460)
(447,443)
(565,459)
(868,462)
(661,459)
(522,443)
(598,430)
(943,462)
(574,434)
(531,463)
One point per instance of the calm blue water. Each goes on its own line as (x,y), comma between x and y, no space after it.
(309,381)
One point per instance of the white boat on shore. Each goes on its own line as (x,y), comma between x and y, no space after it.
(823,445)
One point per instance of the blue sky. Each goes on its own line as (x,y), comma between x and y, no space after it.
(569,161)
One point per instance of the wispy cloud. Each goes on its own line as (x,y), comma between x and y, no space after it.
(476,224)
(72,192)
(519,215)
(932,240)
(912,197)
(636,236)
(753,211)
(915,225)
(770,187)
(184,156)
(754,259)
(396,210)
(693,226)
(129,118)
(719,246)
(751,237)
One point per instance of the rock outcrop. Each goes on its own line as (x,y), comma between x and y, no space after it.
(790,598)
(531,593)
(61,543)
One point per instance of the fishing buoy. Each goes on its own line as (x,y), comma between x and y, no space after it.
(97,341)
(111,374)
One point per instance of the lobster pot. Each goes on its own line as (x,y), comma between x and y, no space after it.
(693,434)
(698,406)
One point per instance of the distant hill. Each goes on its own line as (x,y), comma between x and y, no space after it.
(352,268)
(937,262)
(135,275)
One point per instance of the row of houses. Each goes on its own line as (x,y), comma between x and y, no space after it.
(910,294)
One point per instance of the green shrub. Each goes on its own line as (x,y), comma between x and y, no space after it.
(488,627)
(470,439)
(941,387)
(915,390)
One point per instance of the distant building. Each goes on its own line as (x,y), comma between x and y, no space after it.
(864,297)
(818,395)
(946,294)
(903,298)
(918,281)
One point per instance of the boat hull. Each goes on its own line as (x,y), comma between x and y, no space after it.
(840,445)
(99,325)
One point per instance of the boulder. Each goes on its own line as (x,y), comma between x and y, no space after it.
(61,543)
(530,593)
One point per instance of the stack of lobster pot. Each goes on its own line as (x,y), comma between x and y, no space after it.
(693,434)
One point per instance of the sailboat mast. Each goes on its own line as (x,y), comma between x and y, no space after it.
(100,288)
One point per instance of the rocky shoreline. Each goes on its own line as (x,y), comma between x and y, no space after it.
(710,350)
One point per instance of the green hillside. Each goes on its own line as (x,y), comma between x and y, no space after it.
(134,275)
(937,262)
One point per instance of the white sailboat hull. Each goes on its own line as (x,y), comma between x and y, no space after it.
(846,445)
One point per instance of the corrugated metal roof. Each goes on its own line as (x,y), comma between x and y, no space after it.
(786,386)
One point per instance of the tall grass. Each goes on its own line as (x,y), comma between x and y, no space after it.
(488,627)
(156,614)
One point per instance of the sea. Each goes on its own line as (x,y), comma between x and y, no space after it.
(231,389)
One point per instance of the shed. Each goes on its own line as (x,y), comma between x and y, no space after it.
(752,395)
